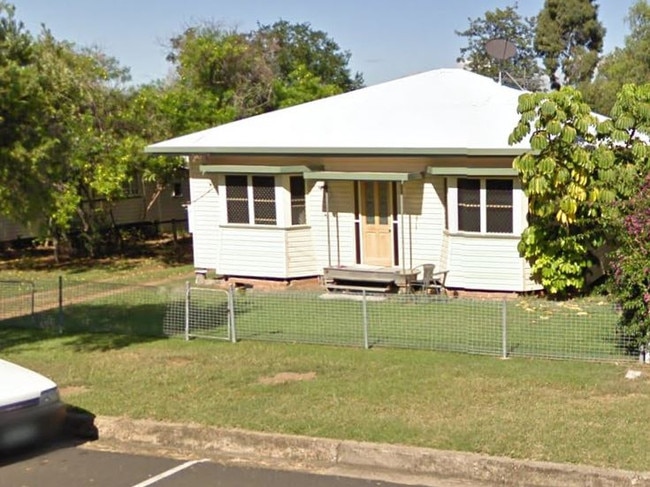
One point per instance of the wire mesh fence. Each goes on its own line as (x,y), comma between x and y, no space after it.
(69,306)
(18,298)
(583,329)
(200,312)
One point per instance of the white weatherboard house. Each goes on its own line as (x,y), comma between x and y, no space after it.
(412,171)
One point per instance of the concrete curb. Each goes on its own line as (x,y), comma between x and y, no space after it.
(318,452)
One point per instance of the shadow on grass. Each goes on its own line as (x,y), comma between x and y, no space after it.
(86,327)
(82,342)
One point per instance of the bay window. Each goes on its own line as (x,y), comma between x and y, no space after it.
(265,200)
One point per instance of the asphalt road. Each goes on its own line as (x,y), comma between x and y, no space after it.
(78,466)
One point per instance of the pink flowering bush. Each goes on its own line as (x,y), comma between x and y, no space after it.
(630,283)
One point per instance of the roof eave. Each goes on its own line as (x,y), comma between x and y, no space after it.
(339,151)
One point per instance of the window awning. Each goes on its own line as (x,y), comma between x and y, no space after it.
(254,169)
(472,171)
(362,176)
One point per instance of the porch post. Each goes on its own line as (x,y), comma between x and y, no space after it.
(327,213)
(401,225)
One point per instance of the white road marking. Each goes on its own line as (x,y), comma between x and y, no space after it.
(169,473)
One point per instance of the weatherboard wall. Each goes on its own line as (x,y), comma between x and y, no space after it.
(203,214)
(13,231)
(474,261)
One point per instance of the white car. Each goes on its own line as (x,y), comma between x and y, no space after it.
(30,407)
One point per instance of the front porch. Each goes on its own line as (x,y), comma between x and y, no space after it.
(371,278)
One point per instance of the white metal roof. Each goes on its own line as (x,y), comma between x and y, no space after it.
(444,111)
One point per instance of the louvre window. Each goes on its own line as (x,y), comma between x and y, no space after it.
(297,188)
(498,206)
(469,205)
(252,200)
(264,200)
(485,205)
(237,199)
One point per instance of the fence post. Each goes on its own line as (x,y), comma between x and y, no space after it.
(60,315)
(364,312)
(231,314)
(504,330)
(187,310)
(33,286)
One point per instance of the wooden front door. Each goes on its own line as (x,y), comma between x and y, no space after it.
(376,227)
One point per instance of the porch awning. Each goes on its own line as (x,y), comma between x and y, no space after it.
(362,176)
(472,171)
(254,169)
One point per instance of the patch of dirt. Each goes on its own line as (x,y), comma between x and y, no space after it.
(177,361)
(72,391)
(285,377)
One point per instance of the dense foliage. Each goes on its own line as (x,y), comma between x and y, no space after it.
(73,129)
(627,64)
(508,25)
(565,180)
(242,74)
(569,38)
(631,266)
(588,193)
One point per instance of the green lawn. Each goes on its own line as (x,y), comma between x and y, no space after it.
(564,411)
(536,409)
(582,329)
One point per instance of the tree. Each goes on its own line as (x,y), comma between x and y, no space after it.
(629,64)
(630,283)
(579,168)
(249,73)
(87,161)
(66,150)
(227,65)
(506,24)
(569,38)
(299,46)
(23,150)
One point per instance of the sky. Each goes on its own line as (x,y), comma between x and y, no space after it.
(388,39)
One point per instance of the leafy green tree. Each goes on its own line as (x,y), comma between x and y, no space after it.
(299,46)
(506,24)
(627,64)
(226,64)
(86,162)
(23,147)
(62,136)
(580,167)
(569,37)
(244,74)
(301,86)
(629,131)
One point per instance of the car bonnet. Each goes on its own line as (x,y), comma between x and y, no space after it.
(20,384)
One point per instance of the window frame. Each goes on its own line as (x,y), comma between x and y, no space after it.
(297,201)
(285,201)
(454,206)
(177,189)
(132,187)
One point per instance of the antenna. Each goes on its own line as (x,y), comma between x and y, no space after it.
(501,49)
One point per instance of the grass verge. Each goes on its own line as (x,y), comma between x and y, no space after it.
(533,409)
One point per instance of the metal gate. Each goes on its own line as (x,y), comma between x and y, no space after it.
(209,313)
